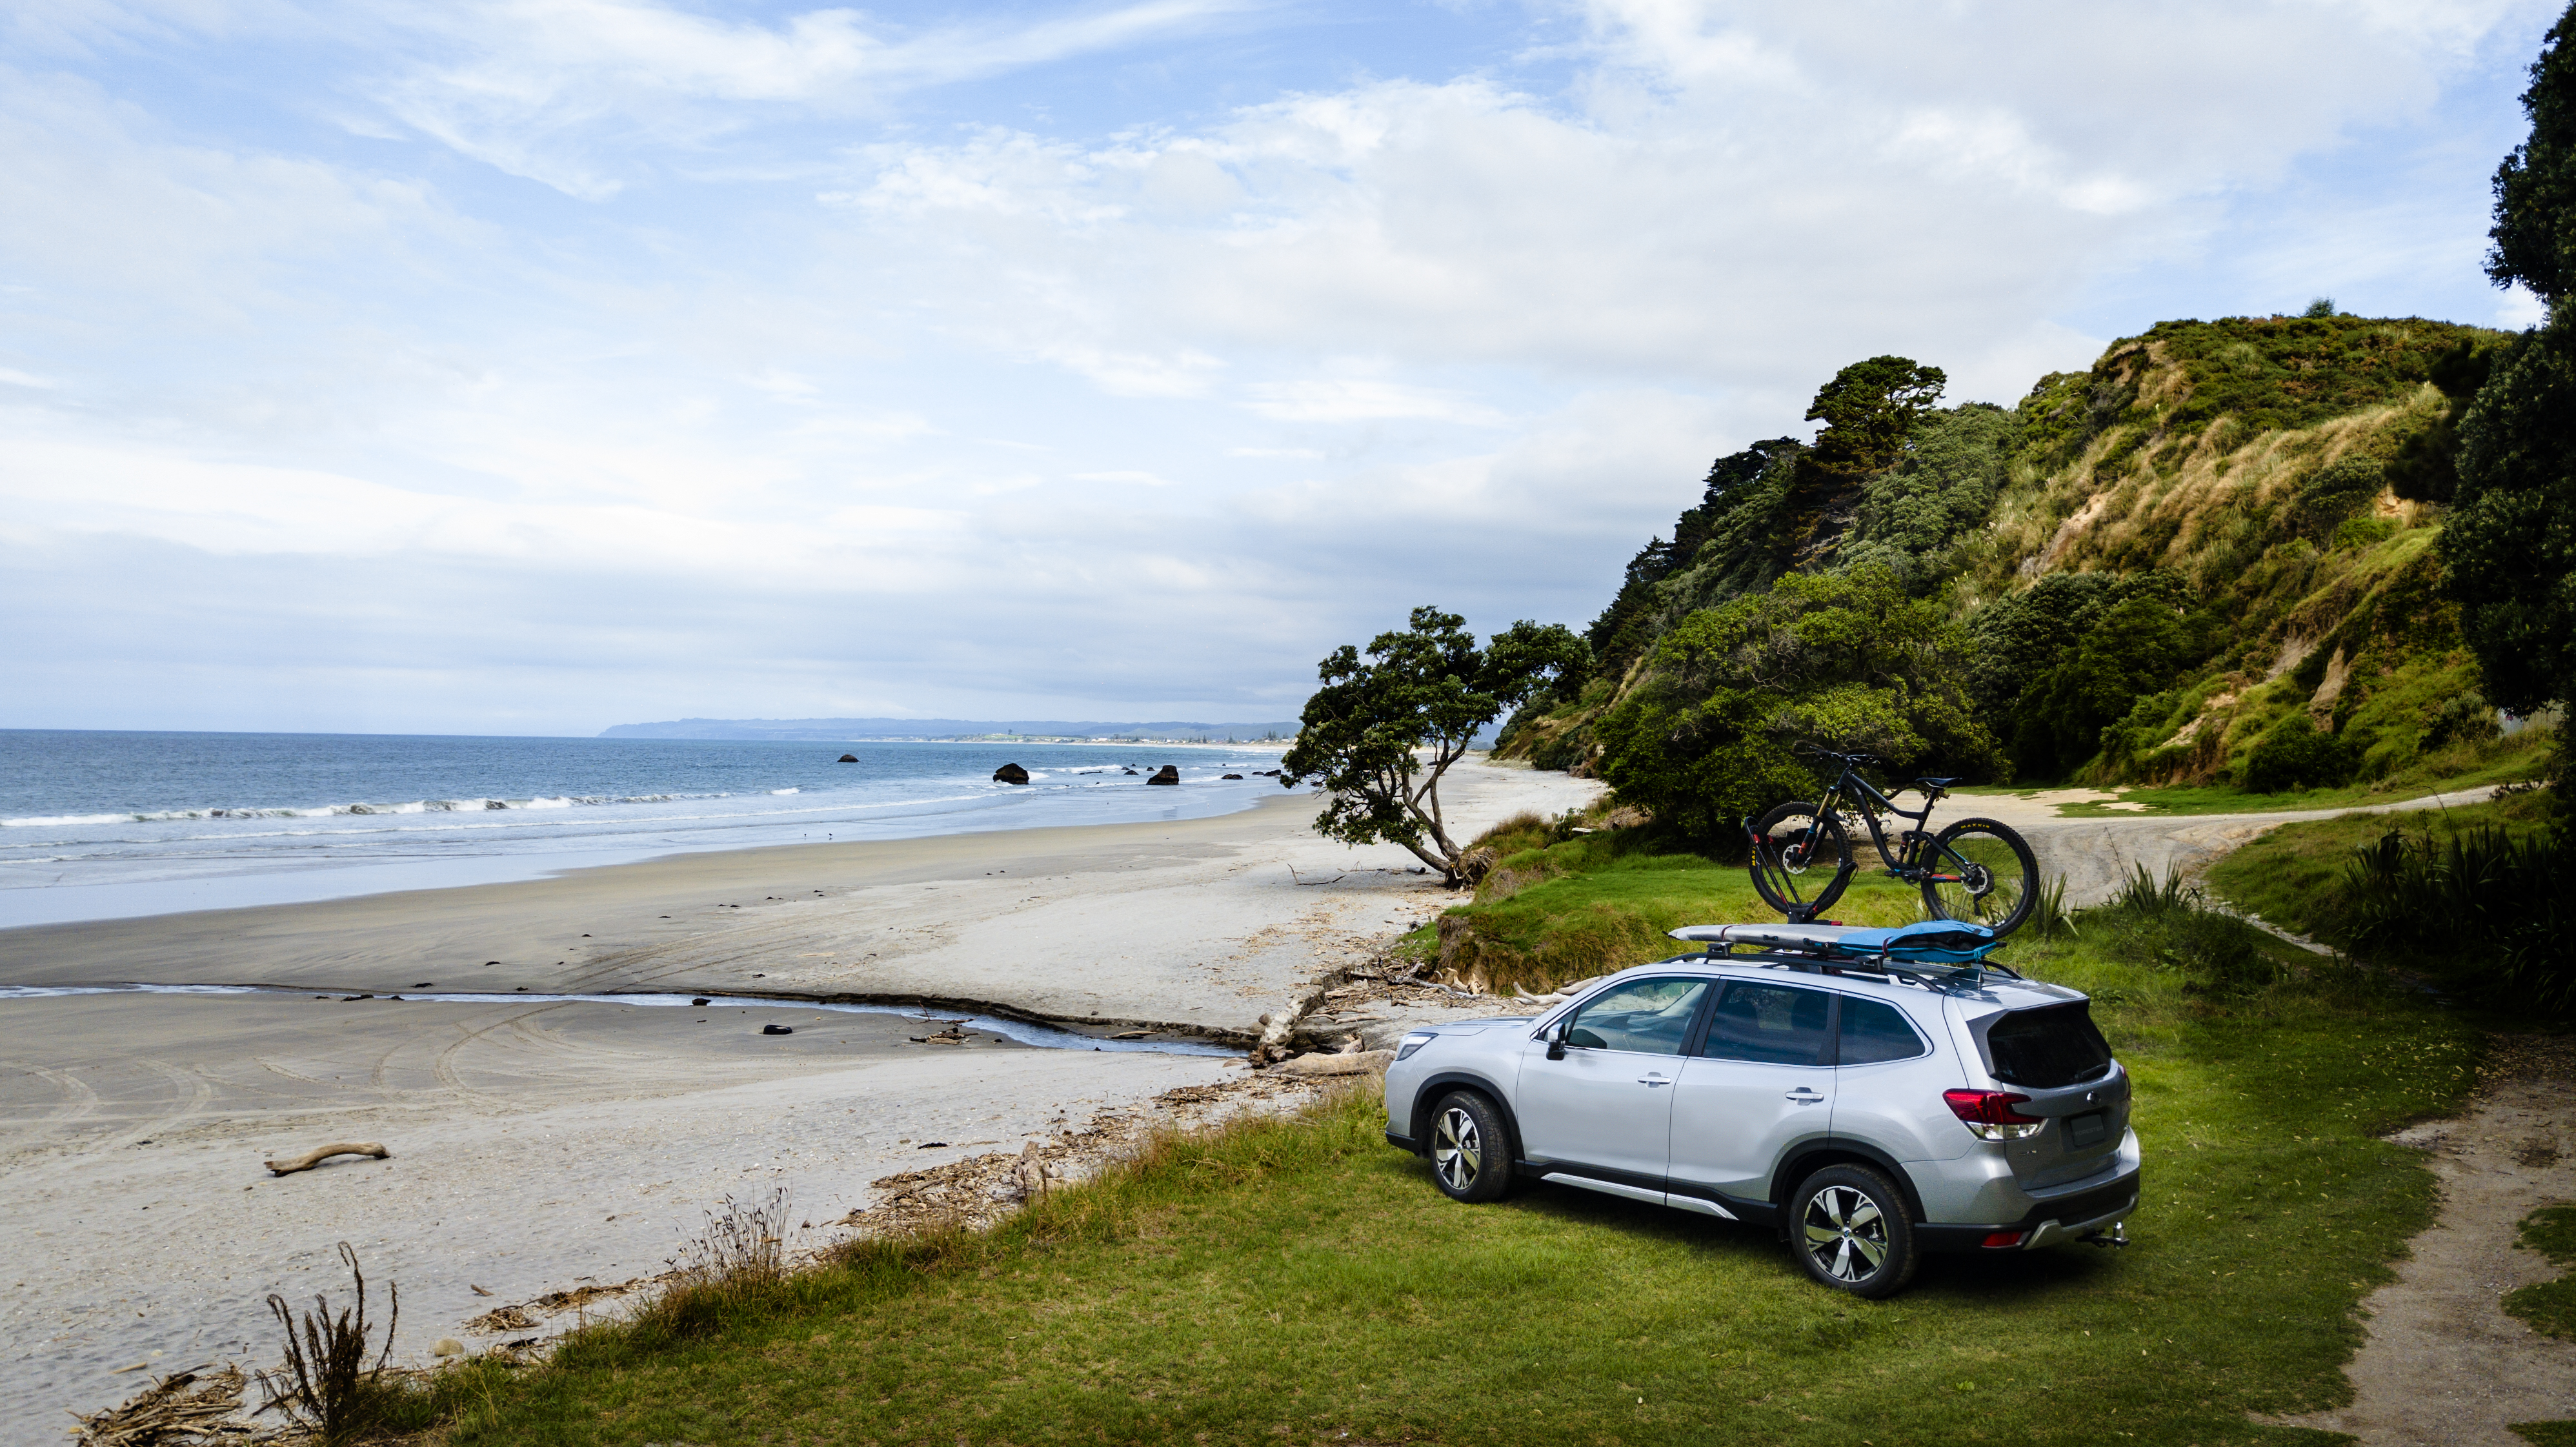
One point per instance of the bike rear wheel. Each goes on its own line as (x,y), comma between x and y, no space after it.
(1980,872)
(1801,859)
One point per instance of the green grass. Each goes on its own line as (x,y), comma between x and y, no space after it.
(1299,1280)
(2546,1434)
(2548,1307)
(1603,901)
(2290,875)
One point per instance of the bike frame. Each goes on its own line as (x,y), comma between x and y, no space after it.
(1904,863)
(1852,782)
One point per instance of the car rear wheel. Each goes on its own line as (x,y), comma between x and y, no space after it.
(1849,1228)
(1471,1159)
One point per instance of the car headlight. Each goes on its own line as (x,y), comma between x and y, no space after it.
(1414,1042)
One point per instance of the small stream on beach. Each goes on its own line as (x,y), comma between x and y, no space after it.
(1023,1032)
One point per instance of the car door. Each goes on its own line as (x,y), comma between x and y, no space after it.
(1604,1111)
(1886,1068)
(1761,1081)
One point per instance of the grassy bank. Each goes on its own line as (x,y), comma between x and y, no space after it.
(1298,1280)
(1579,906)
(2290,875)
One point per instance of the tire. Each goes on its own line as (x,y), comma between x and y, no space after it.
(1849,1228)
(1999,885)
(1471,1152)
(1801,859)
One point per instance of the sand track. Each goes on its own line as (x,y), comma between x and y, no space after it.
(2443,1365)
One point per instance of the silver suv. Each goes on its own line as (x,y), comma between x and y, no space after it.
(1869,1094)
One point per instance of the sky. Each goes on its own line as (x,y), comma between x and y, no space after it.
(531,366)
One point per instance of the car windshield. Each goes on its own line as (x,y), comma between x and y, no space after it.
(2048,1047)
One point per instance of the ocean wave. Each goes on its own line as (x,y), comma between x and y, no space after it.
(338,811)
(779,793)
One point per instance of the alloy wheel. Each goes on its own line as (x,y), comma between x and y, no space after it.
(1457,1149)
(1846,1233)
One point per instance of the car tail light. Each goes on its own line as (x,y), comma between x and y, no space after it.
(1990,1113)
(2002,1240)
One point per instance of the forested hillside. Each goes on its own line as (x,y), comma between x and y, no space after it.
(2208,559)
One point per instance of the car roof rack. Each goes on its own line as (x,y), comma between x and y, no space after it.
(1936,953)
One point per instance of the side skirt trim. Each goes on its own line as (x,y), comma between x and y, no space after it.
(1633,1193)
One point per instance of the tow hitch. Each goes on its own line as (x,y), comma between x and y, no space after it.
(2117,1236)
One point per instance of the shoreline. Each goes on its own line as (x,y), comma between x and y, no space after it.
(368,848)
(541,1147)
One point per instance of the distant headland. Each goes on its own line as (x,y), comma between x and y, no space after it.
(838,730)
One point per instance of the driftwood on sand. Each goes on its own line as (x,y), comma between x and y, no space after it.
(319,1154)
(1349,1062)
(194,1406)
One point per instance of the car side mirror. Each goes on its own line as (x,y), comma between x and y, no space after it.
(1556,1039)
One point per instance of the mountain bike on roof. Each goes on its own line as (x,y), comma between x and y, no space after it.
(1977,870)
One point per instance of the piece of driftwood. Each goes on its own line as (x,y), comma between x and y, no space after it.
(319,1154)
(190,1407)
(1354,1062)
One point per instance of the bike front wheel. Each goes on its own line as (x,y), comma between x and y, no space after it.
(1980,872)
(1801,859)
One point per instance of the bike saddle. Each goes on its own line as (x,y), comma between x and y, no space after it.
(1939,783)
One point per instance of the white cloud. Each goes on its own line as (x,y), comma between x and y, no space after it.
(863,399)
(557,90)
(1358,399)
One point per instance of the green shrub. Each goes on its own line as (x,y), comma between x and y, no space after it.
(2462,718)
(2354,534)
(2169,924)
(2296,754)
(2335,493)
(2492,908)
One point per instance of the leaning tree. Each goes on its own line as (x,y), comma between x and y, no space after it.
(1380,733)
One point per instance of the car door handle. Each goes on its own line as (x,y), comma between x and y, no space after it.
(1803,1096)
(1652,1080)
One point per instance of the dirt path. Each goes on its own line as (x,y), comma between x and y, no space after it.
(2443,1364)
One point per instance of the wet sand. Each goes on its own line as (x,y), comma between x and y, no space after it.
(543,1146)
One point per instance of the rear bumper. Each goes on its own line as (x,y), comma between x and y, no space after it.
(2050,1221)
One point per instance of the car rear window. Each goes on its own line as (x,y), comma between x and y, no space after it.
(1874,1031)
(2048,1047)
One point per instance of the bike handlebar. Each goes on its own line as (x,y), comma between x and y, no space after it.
(1812,751)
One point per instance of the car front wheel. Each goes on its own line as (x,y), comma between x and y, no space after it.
(1470,1160)
(1849,1227)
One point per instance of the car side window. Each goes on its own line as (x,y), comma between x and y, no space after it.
(1772,1024)
(1873,1030)
(1650,1017)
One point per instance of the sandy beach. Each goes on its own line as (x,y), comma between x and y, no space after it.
(544,1146)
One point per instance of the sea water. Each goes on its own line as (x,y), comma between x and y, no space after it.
(100,825)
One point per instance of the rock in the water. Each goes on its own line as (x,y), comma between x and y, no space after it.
(1131,773)
(1169,775)
(847,759)
(1010,774)
(700,1000)
(777,1029)
(1233,776)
